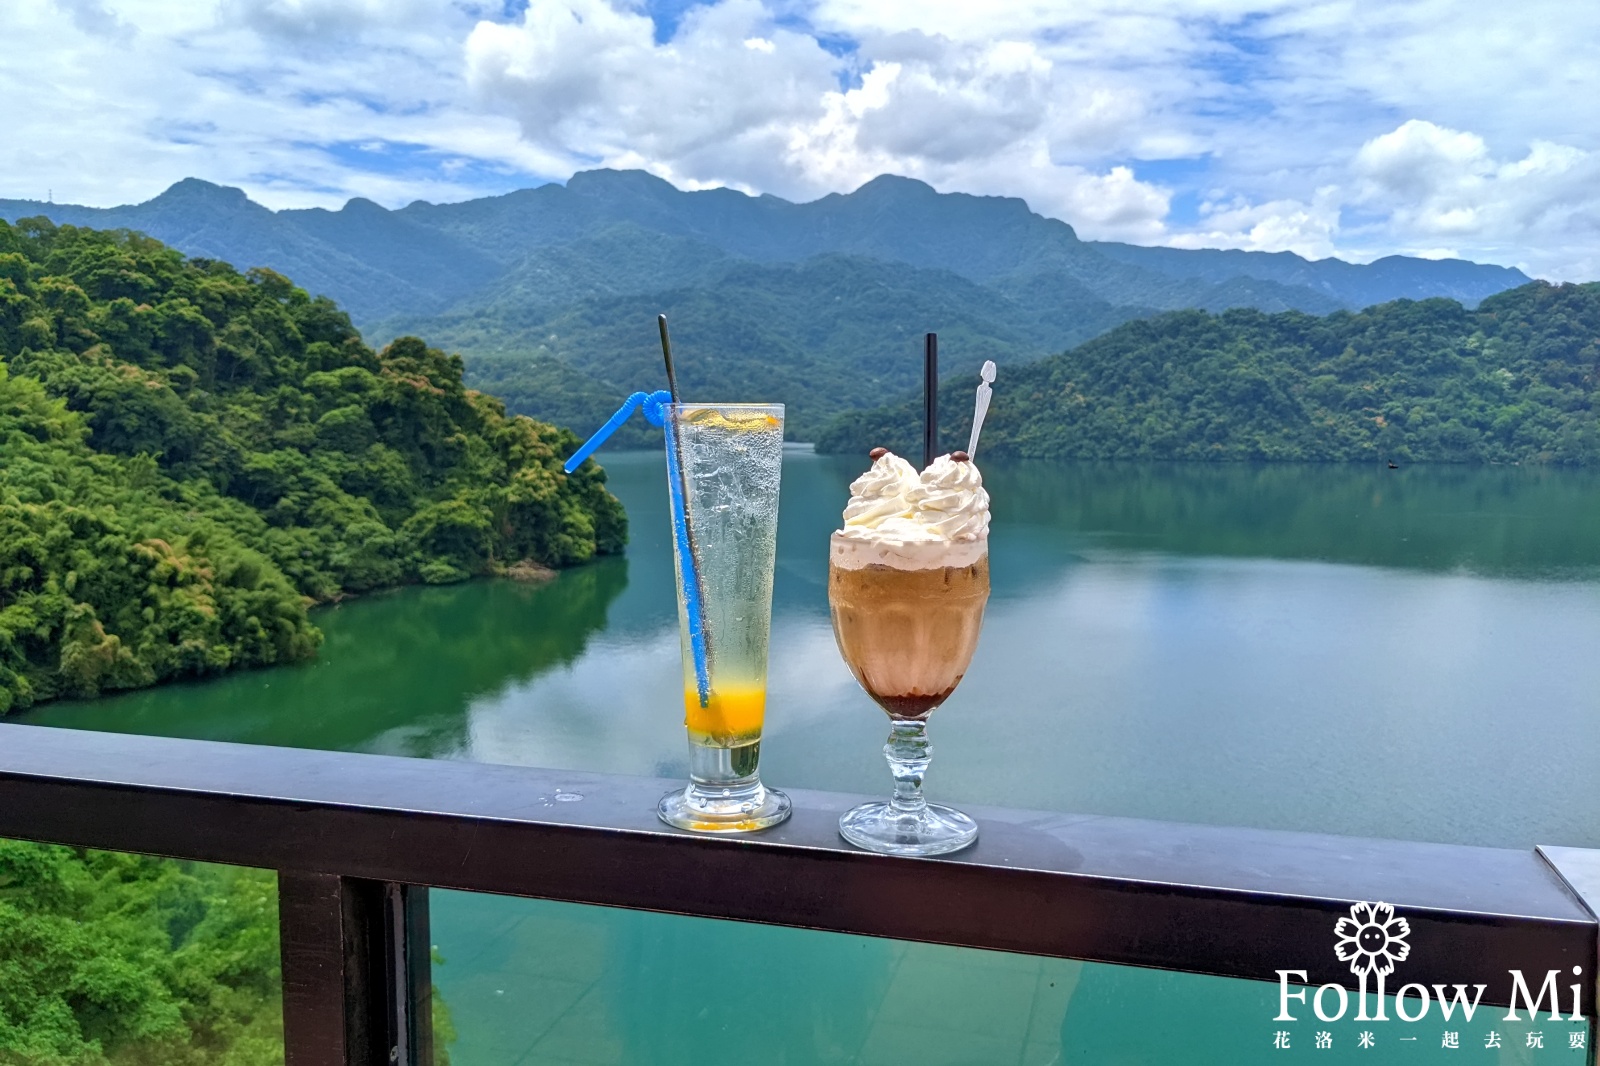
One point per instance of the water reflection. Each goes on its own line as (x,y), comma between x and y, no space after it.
(537,982)
(397,673)
(1348,650)
(1493,521)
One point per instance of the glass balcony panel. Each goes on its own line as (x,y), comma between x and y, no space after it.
(536,983)
(112,957)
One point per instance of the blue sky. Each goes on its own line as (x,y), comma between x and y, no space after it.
(1325,127)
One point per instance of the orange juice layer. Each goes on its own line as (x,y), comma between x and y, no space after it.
(732,712)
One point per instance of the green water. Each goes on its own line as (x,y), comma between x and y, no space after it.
(1387,653)
(1404,653)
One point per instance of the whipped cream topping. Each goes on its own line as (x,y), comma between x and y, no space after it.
(897,517)
(950,502)
(882,493)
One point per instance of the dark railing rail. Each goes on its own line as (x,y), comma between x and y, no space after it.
(358,839)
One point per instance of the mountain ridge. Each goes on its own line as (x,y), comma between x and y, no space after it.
(498,277)
(888,217)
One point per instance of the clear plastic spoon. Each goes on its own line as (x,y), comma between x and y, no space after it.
(984,393)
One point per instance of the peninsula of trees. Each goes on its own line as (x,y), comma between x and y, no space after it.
(191,456)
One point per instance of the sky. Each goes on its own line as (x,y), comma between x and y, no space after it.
(1323,127)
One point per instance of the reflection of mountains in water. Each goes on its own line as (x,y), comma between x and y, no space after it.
(396,673)
(1495,521)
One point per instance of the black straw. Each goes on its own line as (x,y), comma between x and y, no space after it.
(666,353)
(673,427)
(930,399)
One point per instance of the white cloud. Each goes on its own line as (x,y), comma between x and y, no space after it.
(1275,226)
(1430,183)
(91,17)
(1418,160)
(958,104)
(326,19)
(1321,126)
(587,80)
(236,91)
(1070,107)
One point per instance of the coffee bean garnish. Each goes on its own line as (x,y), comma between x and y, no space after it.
(961,457)
(877,453)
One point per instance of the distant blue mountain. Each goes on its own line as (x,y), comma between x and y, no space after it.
(425,256)
(528,285)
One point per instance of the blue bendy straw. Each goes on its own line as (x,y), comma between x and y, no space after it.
(651,402)
(691,582)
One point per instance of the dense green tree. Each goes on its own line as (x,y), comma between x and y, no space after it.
(190,456)
(109,959)
(1513,381)
(113,576)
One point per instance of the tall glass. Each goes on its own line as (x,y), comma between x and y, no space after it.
(723,465)
(908,633)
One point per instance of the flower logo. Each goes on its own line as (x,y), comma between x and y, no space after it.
(1372,939)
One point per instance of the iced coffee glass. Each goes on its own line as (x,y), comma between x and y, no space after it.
(723,465)
(907,596)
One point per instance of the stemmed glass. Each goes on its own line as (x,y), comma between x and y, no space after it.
(908,635)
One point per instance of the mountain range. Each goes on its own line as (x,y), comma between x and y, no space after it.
(549,293)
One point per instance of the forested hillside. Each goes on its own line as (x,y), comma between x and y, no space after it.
(1514,380)
(548,293)
(110,959)
(822,336)
(119,959)
(189,456)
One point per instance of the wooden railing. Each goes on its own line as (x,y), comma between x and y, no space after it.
(357,840)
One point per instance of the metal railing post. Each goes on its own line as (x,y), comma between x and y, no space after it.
(408,958)
(357,987)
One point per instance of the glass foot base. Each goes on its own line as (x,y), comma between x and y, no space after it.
(934,830)
(741,810)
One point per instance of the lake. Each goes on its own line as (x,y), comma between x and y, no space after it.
(1406,653)
(1401,653)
